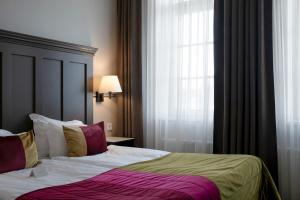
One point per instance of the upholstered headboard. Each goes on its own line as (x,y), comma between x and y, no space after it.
(43,76)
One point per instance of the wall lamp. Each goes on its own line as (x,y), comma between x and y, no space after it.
(109,86)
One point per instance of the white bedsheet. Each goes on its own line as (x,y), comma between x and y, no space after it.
(64,170)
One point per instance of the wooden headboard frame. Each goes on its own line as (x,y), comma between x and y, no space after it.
(43,76)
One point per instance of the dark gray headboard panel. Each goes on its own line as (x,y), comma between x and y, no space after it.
(44,76)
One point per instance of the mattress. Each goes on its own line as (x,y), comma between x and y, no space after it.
(236,176)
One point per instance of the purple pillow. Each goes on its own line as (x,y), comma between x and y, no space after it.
(85,140)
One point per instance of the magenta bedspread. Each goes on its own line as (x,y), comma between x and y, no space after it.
(121,184)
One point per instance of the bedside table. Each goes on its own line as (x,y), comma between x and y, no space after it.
(120,141)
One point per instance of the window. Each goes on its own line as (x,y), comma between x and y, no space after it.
(179,78)
(195,55)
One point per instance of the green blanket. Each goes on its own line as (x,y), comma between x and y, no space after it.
(239,177)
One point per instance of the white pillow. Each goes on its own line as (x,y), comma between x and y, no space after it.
(41,139)
(5,133)
(56,138)
(42,129)
(37,117)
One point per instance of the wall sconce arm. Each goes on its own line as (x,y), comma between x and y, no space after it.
(99,97)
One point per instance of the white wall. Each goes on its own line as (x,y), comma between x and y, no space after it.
(86,22)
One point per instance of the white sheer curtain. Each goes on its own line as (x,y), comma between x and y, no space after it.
(178,75)
(286,39)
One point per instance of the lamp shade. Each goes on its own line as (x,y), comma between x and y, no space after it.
(109,84)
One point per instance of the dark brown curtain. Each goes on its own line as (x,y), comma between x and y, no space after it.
(244,118)
(130,69)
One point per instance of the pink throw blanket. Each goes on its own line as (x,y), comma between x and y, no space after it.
(121,184)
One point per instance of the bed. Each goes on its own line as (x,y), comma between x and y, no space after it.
(236,176)
(53,78)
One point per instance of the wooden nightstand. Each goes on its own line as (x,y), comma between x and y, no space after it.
(121,141)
